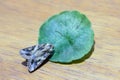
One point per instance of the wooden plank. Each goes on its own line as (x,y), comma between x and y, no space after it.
(19,24)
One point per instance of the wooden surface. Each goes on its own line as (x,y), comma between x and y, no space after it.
(19,24)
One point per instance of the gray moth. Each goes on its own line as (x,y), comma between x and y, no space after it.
(36,55)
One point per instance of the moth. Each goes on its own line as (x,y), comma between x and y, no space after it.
(36,55)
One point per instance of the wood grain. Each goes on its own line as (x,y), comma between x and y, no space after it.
(19,24)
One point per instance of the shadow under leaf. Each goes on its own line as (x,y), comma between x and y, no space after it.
(81,59)
(84,57)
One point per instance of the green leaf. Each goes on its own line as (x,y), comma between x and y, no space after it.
(71,34)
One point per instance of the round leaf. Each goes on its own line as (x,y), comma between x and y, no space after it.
(70,33)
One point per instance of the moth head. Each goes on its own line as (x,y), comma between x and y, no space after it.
(47,47)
